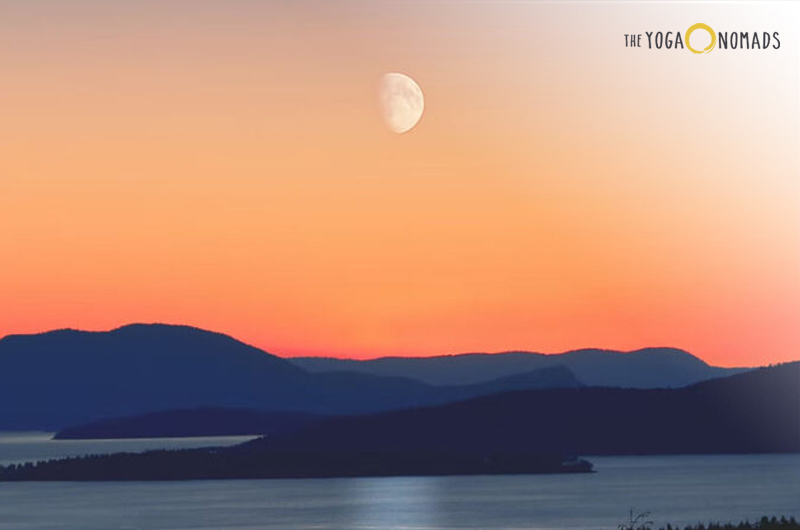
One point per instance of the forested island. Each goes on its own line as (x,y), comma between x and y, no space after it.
(242,463)
(534,431)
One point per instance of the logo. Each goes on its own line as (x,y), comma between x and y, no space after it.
(727,40)
(710,31)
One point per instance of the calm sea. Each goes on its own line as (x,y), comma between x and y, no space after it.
(676,489)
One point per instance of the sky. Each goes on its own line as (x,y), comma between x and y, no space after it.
(226,166)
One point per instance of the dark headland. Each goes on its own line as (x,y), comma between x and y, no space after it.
(227,463)
(533,431)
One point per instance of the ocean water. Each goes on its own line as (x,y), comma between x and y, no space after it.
(675,489)
(32,446)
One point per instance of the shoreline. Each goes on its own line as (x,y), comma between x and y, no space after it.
(228,464)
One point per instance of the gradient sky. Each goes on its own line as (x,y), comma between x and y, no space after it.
(224,165)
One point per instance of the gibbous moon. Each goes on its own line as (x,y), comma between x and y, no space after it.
(401,102)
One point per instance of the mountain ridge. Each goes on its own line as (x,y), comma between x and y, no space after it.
(500,352)
(215,421)
(756,411)
(669,367)
(69,377)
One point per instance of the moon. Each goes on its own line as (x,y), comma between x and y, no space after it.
(401,102)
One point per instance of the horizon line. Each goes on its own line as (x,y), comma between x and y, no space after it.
(378,357)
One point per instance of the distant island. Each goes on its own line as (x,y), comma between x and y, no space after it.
(532,431)
(643,368)
(243,463)
(462,414)
(67,378)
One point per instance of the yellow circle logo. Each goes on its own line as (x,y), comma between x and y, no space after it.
(710,31)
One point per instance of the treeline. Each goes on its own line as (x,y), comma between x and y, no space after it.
(641,522)
(765,523)
(234,463)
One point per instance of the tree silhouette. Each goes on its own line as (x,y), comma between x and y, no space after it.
(640,522)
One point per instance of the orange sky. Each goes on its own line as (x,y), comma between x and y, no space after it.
(226,166)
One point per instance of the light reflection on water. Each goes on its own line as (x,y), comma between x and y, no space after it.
(676,489)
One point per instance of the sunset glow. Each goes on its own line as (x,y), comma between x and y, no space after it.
(226,166)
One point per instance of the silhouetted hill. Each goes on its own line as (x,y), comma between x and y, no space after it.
(195,422)
(645,368)
(514,432)
(555,376)
(64,378)
(212,421)
(758,411)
